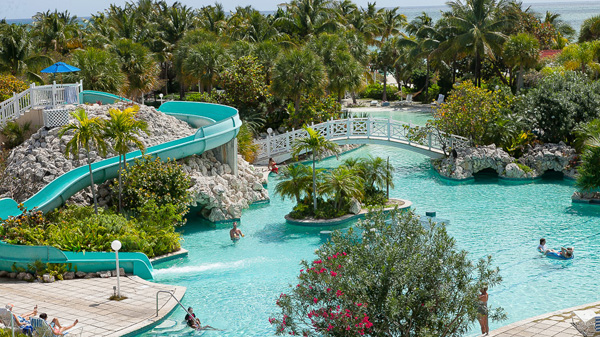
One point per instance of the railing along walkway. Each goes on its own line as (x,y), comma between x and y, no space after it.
(361,130)
(39,97)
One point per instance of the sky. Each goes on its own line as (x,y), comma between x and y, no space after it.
(21,9)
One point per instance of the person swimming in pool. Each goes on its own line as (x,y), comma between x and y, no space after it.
(235,233)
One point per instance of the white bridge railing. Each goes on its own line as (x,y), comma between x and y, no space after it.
(380,129)
(44,96)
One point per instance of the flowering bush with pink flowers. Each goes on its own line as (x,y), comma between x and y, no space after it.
(387,277)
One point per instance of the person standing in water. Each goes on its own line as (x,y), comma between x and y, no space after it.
(482,311)
(235,233)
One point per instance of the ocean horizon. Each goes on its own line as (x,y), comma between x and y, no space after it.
(573,13)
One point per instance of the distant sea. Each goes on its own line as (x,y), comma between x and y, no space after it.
(573,13)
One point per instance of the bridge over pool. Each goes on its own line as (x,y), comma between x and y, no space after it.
(382,131)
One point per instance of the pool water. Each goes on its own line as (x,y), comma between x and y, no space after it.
(233,286)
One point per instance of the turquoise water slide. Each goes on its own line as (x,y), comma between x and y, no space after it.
(217,125)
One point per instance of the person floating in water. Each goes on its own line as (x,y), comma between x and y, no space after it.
(564,252)
(273,166)
(194,322)
(235,233)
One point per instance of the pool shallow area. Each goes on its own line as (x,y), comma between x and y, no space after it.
(233,286)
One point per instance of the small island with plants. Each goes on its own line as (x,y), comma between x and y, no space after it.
(331,197)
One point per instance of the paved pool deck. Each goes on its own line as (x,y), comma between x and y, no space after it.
(553,324)
(87,300)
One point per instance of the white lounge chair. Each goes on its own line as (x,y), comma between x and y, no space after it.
(587,322)
(7,318)
(42,329)
(373,103)
(408,99)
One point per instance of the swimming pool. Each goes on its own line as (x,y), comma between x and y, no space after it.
(234,286)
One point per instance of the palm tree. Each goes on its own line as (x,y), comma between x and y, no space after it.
(345,73)
(564,31)
(56,31)
(295,180)
(266,53)
(100,70)
(478,28)
(390,23)
(87,134)
(342,183)
(590,29)
(309,17)
(297,72)
(581,56)
(139,66)
(521,51)
(315,143)
(377,173)
(205,61)
(17,53)
(122,128)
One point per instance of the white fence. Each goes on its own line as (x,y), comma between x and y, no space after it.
(380,129)
(46,96)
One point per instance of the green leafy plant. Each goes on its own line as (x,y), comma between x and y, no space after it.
(313,109)
(246,145)
(15,133)
(150,178)
(9,84)
(387,271)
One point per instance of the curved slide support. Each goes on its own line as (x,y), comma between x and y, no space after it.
(218,124)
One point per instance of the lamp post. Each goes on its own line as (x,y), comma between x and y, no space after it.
(161,96)
(116,245)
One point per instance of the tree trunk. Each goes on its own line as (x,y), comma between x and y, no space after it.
(314,183)
(340,96)
(120,184)
(427,77)
(297,103)
(200,86)
(520,78)
(477,75)
(354,97)
(384,84)
(181,90)
(92,183)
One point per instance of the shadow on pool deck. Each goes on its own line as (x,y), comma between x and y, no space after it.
(87,300)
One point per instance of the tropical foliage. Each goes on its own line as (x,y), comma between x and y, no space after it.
(151,180)
(81,229)
(374,279)
(473,112)
(9,85)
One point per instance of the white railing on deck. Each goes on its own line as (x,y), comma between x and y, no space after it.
(382,129)
(45,96)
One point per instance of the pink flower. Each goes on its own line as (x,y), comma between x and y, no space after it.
(339,293)
(344,253)
(359,304)
(333,273)
(315,300)
(317,261)
(328,289)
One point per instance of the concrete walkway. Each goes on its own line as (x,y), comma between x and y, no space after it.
(87,300)
(554,324)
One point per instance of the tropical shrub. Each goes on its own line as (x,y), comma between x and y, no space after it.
(150,179)
(375,278)
(244,84)
(313,109)
(246,145)
(559,103)
(375,91)
(100,70)
(588,178)
(14,133)
(472,112)
(9,85)
(78,229)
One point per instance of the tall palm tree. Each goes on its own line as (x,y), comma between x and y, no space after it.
(310,17)
(590,29)
(122,128)
(100,70)
(139,67)
(294,182)
(342,183)
(390,23)
(17,53)
(377,173)
(345,73)
(55,30)
(315,143)
(297,72)
(205,61)
(563,29)
(478,26)
(266,53)
(521,51)
(87,135)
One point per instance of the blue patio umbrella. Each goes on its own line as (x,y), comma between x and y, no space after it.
(60,67)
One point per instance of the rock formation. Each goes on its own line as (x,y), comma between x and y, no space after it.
(535,162)
(40,159)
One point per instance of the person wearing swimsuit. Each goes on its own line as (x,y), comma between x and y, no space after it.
(482,311)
